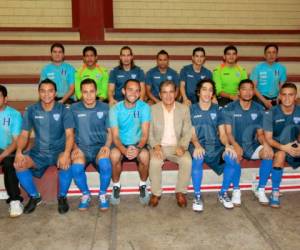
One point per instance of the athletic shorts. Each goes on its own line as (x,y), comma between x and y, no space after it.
(250,150)
(90,154)
(294,162)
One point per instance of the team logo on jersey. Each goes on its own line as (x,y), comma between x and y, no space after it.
(213,116)
(191,76)
(133,76)
(99,115)
(169,78)
(56,117)
(6,121)
(120,76)
(253,116)
(296,120)
(136,114)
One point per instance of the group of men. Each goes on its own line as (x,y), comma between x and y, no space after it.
(191,133)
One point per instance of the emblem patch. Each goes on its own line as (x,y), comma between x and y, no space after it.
(99,115)
(253,116)
(56,117)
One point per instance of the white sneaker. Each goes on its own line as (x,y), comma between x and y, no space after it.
(225,200)
(261,196)
(198,204)
(15,208)
(236,197)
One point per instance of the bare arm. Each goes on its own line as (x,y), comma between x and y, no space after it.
(9,150)
(143,91)
(117,141)
(183,93)
(237,148)
(111,93)
(64,159)
(145,134)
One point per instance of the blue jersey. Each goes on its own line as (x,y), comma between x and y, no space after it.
(206,123)
(91,125)
(191,79)
(118,77)
(10,126)
(285,128)
(48,126)
(154,78)
(268,78)
(244,123)
(129,121)
(63,75)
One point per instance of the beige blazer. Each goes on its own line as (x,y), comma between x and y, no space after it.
(182,125)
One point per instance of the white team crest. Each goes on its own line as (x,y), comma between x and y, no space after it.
(56,117)
(133,76)
(253,116)
(99,115)
(169,78)
(213,116)
(296,120)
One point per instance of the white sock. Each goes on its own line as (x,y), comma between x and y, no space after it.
(116,184)
(143,183)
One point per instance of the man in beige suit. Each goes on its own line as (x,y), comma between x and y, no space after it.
(169,138)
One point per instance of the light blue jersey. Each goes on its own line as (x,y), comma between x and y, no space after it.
(154,78)
(63,75)
(10,126)
(129,121)
(268,78)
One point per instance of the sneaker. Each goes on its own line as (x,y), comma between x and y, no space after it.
(84,202)
(144,195)
(225,200)
(63,206)
(15,208)
(32,204)
(115,196)
(261,196)
(274,199)
(103,202)
(198,204)
(236,197)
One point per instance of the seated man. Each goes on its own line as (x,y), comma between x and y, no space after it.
(91,69)
(158,74)
(10,128)
(92,143)
(243,119)
(53,125)
(210,144)
(282,131)
(60,72)
(170,134)
(129,122)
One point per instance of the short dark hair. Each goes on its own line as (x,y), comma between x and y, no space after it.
(242,82)
(47,81)
(3,90)
(57,45)
(195,50)
(88,81)
(201,83)
(289,85)
(270,45)
(162,52)
(166,83)
(230,47)
(131,80)
(89,48)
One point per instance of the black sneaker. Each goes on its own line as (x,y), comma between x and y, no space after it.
(32,204)
(144,195)
(115,196)
(63,206)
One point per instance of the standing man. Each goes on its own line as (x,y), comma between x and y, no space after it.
(92,143)
(243,119)
(92,70)
(53,125)
(191,74)
(282,130)
(129,122)
(169,138)
(268,76)
(61,73)
(210,144)
(227,76)
(10,128)
(159,74)
(122,73)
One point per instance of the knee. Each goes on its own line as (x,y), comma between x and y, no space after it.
(143,155)
(185,161)
(115,155)
(279,158)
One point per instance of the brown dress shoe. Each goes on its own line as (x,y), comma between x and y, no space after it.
(181,200)
(154,200)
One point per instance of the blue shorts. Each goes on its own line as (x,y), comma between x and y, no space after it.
(90,154)
(42,161)
(248,152)
(294,162)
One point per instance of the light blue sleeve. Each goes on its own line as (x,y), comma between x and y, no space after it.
(283,74)
(254,74)
(146,114)
(43,75)
(17,124)
(71,75)
(113,117)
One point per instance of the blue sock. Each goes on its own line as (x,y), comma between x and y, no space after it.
(79,176)
(26,180)
(276,178)
(236,176)
(65,178)
(105,170)
(228,173)
(264,172)
(197,173)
